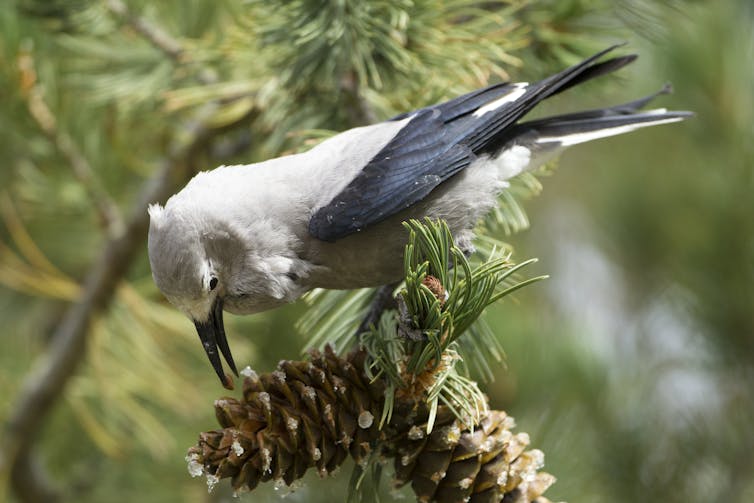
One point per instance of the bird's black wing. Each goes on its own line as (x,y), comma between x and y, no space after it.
(434,145)
(413,163)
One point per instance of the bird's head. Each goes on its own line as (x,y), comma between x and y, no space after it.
(190,265)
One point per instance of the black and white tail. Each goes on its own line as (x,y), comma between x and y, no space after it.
(574,128)
(498,117)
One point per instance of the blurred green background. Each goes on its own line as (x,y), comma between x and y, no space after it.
(632,368)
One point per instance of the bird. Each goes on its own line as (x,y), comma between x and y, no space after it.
(248,238)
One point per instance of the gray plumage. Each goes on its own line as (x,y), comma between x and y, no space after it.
(252,237)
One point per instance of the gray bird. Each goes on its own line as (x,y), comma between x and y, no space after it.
(253,237)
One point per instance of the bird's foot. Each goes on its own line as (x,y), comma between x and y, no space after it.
(465,243)
(382,301)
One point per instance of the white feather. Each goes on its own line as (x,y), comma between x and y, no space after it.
(518,90)
(576,138)
(655,111)
(512,161)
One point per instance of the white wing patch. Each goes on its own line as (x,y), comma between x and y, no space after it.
(655,111)
(576,138)
(518,90)
(512,161)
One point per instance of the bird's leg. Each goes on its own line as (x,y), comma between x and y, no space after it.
(465,242)
(406,327)
(383,300)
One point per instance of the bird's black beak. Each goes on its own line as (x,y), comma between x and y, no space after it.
(212,335)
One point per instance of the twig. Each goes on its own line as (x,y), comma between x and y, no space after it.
(382,301)
(30,480)
(359,111)
(107,210)
(154,34)
(160,39)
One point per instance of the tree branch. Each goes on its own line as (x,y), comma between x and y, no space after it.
(47,380)
(160,39)
(107,210)
(359,111)
(154,34)
(382,301)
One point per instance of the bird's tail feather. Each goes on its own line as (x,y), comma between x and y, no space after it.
(578,127)
(593,71)
(490,125)
(573,131)
(623,109)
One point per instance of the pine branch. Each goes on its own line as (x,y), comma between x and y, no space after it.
(151,32)
(45,383)
(47,379)
(160,39)
(360,113)
(108,212)
(382,301)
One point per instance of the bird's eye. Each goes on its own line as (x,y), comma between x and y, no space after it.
(213,283)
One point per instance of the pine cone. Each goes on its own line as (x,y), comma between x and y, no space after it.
(454,464)
(436,287)
(306,414)
(313,414)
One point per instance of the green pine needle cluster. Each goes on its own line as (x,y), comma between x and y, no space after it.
(472,283)
(418,351)
(421,349)
(431,252)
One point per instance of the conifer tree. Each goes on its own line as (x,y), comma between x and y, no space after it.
(108,105)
